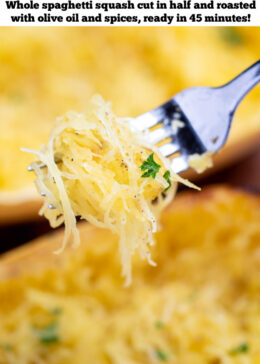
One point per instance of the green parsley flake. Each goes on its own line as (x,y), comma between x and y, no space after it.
(48,334)
(166,176)
(6,347)
(159,325)
(150,166)
(242,348)
(231,35)
(151,169)
(56,311)
(161,355)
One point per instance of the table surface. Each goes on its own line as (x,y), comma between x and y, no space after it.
(245,174)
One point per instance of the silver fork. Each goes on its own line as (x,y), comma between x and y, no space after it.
(206,114)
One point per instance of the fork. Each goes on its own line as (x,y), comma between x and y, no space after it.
(205,113)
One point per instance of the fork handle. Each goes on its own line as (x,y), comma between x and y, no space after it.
(236,90)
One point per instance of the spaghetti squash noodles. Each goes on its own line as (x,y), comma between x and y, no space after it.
(92,167)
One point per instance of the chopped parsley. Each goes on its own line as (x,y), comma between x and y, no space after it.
(150,166)
(166,176)
(48,334)
(6,347)
(161,355)
(242,348)
(159,325)
(56,311)
(231,35)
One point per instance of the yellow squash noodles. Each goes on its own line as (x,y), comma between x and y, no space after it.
(91,168)
(200,305)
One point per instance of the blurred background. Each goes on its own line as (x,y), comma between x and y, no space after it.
(47,71)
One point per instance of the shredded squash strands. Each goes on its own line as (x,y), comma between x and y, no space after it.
(91,168)
(199,306)
(201,162)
